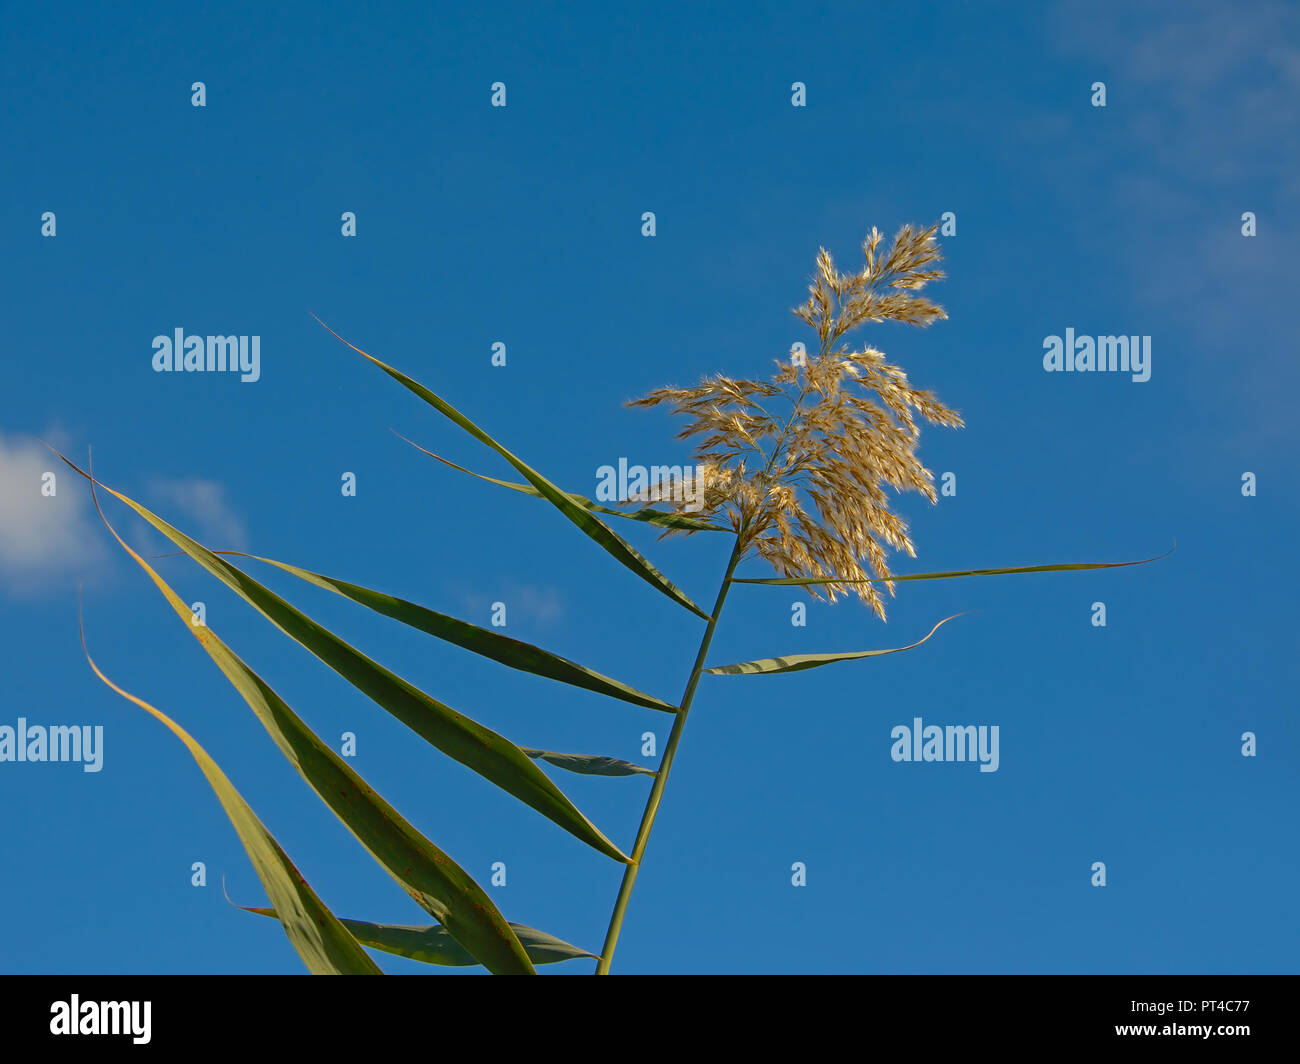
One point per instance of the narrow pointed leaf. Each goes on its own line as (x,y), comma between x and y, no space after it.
(491,755)
(588,522)
(653,517)
(589,764)
(799,581)
(439,886)
(489,644)
(432,944)
(799,662)
(323,943)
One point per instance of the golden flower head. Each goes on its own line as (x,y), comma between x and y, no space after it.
(806,490)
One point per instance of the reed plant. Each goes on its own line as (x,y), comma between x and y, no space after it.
(797,469)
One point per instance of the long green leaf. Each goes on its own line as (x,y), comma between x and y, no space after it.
(799,662)
(589,764)
(439,886)
(588,522)
(431,944)
(323,943)
(799,581)
(490,755)
(649,516)
(489,644)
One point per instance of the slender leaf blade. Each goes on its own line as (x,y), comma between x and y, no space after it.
(431,944)
(654,517)
(799,662)
(589,764)
(320,939)
(491,755)
(510,652)
(437,883)
(800,581)
(596,529)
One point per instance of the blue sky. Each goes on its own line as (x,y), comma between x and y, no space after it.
(522,225)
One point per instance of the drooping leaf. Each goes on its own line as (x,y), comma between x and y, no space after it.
(654,517)
(439,886)
(800,581)
(489,644)
(431,944)
(585,520)
(490,755)
(799,662)
(323,943)
(589,764)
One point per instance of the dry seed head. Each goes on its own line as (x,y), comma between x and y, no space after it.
(830,434)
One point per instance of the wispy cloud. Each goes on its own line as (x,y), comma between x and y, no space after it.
(49,534)
(539,604)
(527,604)
(204,502)
(1202,96)
(1210,88)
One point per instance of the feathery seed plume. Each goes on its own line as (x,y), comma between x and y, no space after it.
(848,432)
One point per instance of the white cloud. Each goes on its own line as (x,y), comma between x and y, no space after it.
(45,540)
(57,541)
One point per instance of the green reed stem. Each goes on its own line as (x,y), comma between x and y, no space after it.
(661,779)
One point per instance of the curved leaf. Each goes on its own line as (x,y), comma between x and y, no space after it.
(799,662)
(323,943)
(799,581)
(432,944)
(653,517)
(589,764)
(588,522)
(439,886)
(490,755)
(489,644)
